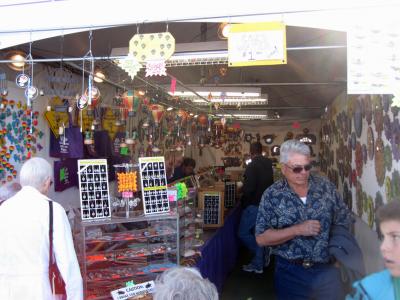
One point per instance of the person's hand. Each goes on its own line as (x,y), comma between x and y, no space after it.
(308,228)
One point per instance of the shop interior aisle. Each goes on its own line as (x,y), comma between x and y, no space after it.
(241,285)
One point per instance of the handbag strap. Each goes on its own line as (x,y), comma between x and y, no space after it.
(50,233)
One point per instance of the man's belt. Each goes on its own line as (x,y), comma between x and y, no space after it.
(306,263)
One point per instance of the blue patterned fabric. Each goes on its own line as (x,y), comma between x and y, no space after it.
(280,207)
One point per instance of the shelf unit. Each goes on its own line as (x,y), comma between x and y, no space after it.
(119,250)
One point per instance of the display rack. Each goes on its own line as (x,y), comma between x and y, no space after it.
(119,250)
(191,227)
(211,202)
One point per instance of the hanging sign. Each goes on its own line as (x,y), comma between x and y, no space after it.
(257,44)
(373,62)
(154,185)
(93,188)
(152,46)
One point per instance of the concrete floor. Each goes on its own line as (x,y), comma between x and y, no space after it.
(241,285)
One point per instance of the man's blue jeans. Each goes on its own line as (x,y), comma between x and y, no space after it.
(319,282)
(246,234)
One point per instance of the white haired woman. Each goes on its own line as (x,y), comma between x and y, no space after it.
(182,283)
(24,240)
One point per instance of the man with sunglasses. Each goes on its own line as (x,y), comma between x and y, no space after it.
(295,217)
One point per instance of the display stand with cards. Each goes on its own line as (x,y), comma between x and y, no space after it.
(211,202)
(93,189)
(154,185)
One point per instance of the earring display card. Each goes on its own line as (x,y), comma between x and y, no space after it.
(93,188)
(230,194)
(211,203)
(154,185)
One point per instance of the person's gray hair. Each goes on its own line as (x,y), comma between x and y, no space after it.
(34,172)
(291,147)
(182,283)
(8,190)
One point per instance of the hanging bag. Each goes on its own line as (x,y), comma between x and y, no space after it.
(69,144)
(57,283)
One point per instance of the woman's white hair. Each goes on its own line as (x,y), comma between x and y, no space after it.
(291,147)
(182,283)
(35,172)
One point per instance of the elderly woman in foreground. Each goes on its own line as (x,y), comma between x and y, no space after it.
(24,240)
(181,283)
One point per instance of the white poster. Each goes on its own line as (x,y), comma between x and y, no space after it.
(373,60)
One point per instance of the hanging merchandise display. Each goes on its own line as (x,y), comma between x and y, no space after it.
(395,184)
(93,188)
(388,157)
(395,139)
(153,49)
(154,185)
(357,117)
(359,159)
(378,114)
(388,189)
(387,127)
(379,161)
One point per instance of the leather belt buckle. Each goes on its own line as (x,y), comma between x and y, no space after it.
(307,264)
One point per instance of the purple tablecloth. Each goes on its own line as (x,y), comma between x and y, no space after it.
(220,252)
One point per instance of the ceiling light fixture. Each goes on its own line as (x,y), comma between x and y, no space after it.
(18,57)
(233,101)
(170,108)
(99,76)
(223,30)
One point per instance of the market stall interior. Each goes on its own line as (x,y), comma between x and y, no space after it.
(123,116)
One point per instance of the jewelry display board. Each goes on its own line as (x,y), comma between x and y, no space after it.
(93,188)
(154,185)
(211,203)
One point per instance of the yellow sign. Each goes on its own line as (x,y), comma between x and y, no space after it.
(56,120)
(256,44)
(152,46)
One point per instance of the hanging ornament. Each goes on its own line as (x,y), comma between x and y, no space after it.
(157,111)
(156,68)
(22,80)
(88,138)
(130,65)
(172,86)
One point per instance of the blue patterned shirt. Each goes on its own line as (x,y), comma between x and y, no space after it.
(281,207)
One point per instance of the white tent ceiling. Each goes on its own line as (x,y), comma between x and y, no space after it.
(23,21)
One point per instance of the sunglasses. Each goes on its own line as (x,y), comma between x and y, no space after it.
(298,169)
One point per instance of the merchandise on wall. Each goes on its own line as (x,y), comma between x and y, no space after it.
(370,125)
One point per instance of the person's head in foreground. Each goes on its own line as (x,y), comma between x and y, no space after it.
(37,173)
(182,283)
(296,162)
(8,190)
(389,224)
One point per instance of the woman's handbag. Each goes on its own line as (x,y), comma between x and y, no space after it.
(56,281)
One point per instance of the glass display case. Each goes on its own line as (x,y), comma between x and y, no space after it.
(118,251)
